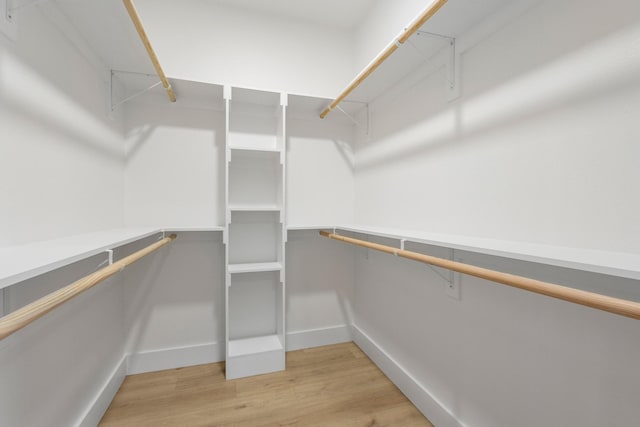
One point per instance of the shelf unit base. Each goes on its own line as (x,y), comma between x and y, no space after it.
(255,356)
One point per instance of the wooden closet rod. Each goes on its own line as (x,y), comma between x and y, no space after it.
(133,13)
(601,302)
(393,46)
(20,318)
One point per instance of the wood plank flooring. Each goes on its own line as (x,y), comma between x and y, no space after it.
(335,385)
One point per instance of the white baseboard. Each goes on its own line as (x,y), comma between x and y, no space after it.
(416,392)
(317,337)
(94,413)
(179,357)
(171,358)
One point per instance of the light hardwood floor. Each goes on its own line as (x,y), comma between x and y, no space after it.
(335,385)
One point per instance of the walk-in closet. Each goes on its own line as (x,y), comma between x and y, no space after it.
(336,213)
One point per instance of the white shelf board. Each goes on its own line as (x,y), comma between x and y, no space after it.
(255,345)
(22,262)
(25,261)
(298,227)
(254,208)
(268,149)
(618,264)
(255,267)
(197,229)
(253,97)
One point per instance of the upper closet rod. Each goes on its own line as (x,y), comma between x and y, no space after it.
(133,13)
(393,46)
(601,302)
(20,318)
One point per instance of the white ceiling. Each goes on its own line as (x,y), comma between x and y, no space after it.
(345,14)
(105,26)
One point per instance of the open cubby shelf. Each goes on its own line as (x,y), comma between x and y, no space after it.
(252,304)
(255,237)
(255,179)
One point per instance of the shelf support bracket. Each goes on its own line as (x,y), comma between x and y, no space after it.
(436,35)
(135,95)
(452,279)
(357,123)
(449,278)
(453,63)
(446,278)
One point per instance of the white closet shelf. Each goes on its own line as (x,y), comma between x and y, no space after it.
(254,208)
(23,262)
(618,264)
(257,148)
(255,267)
(193,229)
(262,344)
(302,227)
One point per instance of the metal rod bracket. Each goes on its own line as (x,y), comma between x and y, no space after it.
(454,288)
(3,301)
(110,255)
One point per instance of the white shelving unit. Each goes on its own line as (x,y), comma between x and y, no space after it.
(22,262)
(255,232)
(619,264)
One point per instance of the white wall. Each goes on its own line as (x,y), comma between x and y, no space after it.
(61,158)
(320,180)
(174,173)
(320,287)
(501,357)
(541,146)
(61,173)
(53,370)
(174,304)
(210,42)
